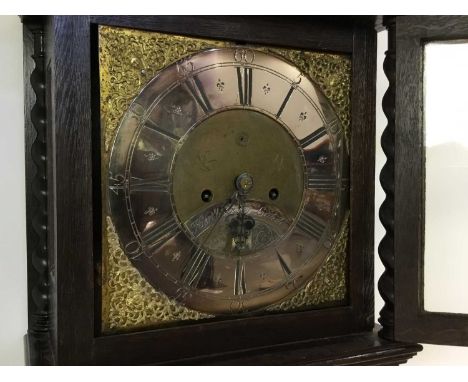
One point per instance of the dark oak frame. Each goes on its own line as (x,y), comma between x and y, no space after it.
(412,322)
(62,320)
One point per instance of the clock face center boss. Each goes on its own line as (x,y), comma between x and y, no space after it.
(225,180)
(231,157)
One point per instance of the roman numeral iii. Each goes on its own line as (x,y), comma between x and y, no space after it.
(311,225)
(321,182)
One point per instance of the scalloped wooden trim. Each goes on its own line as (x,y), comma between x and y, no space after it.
(38,349)
(387,180)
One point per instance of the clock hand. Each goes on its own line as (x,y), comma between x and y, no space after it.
(244,183)
(241,243)
(226,207)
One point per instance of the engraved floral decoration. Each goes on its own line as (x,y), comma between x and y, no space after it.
(138,304)
(174,110)
(332,73)
(322,159)
(128,60)
(151,156)
(150,211)
(329,283)
(220,85)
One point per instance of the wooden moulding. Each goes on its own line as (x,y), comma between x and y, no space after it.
(38,349)
(387,180)
(412,321)
(62,127)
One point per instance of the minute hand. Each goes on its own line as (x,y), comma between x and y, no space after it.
(225,208)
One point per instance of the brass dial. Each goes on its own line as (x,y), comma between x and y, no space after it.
(226,180)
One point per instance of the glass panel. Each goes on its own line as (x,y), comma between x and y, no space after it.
(446,129)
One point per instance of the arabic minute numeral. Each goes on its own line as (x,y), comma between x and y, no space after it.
(244,55)
(116,183)
(133,250)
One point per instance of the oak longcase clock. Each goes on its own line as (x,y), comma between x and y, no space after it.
(200,191)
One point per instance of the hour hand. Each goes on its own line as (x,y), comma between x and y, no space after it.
(239,225)
(241,231)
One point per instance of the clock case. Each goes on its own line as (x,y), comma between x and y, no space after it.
(64,206)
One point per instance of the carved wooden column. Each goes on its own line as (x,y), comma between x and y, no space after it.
(387,180)
(37,340)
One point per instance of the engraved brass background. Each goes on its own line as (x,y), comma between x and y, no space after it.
(128,59)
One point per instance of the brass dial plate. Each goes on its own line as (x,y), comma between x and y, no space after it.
(198,255)
(122,284)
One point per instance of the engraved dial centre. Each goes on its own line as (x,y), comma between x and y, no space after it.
(211,158)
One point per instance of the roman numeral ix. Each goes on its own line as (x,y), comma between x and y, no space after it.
(160,233)
(148,185)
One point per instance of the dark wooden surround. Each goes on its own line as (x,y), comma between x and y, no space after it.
(62,170)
